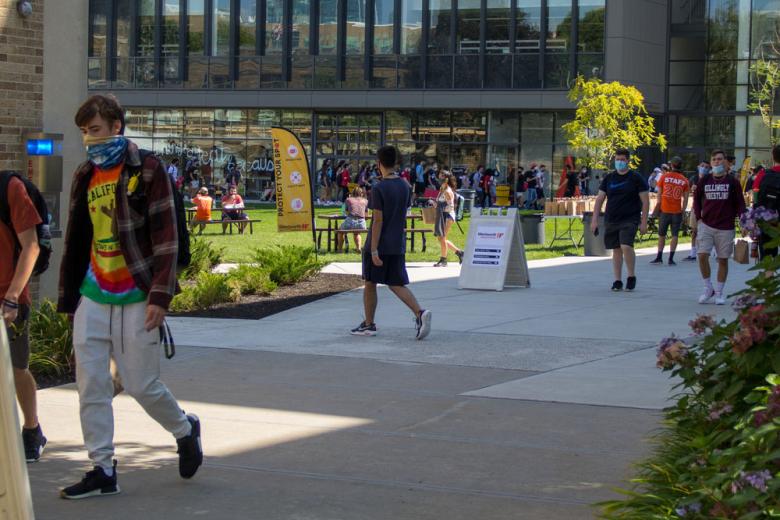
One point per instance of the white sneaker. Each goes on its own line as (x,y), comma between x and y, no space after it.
(720,299)
(707,295)
(423,324)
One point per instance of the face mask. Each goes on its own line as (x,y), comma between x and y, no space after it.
(105,152)
(621,165)
(718,170)
(702,170)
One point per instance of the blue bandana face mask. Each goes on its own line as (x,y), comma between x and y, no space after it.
(106,152)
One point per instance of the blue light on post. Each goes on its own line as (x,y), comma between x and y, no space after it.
(40,147)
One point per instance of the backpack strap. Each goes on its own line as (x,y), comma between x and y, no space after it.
(5,207)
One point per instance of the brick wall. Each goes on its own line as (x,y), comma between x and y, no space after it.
(21,79)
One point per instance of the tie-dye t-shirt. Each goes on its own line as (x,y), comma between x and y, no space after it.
(107,281)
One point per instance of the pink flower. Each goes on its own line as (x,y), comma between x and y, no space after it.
(671,351)
(718,410)
(741,341)
(701,324)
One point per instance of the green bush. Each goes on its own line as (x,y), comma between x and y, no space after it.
(718,455)
(288,264)
(51,341)
(251,279)
(203,257)
(207,290)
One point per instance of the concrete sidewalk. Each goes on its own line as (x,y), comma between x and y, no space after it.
(527,403)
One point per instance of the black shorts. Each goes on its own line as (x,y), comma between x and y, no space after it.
(19,339)
(669,219)
(619,234)
(392,272)
(419,188)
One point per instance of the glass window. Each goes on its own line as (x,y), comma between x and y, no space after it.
(591,26)
(721,132)
(529,23)
(469,14)
(723,31)
(411,26)
(230,123)
(122,28)
(399,126)
(300,26)
(469,126)
(440,26)
(139,122)
(145,28)
(170,35)
(260,123)
(168,123)
(498,21)
(328,26)
(384,14)
(766,17)
(691,131)
(504,127)
(247,23)
(558,25)
(356,26)
(195,27)
(198,123)
(220,40)
(434,126)
(537,127)
(274,27)
(99,12)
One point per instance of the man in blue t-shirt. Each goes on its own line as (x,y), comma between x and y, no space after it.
(419,180)
(628,204)
(384,258)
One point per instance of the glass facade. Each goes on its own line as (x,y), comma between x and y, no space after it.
(455,139)
(709,79)
(339,44)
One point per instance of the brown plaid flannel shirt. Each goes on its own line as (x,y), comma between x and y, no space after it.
(146,224)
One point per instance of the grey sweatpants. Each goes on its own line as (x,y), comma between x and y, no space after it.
(104,331)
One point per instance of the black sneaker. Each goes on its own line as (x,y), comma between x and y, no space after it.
(672,262)
(94,484)
(364,330)
(459,254)
(617,285)
(441,263)
(190,450)
(657,261)
(630,283)
(34,442)
(689,259)
(423,323)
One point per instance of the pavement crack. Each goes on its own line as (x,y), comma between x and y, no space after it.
(449,411)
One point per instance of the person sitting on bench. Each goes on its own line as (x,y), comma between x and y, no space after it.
(233,210)
(355,208)
(203,204)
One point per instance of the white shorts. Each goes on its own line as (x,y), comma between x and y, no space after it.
(721,239)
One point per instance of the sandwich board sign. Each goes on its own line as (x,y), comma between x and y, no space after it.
(495,252)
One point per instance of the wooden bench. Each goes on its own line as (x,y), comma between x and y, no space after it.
(411,234)
(249,223)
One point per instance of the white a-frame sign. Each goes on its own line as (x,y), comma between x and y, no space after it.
(495,252)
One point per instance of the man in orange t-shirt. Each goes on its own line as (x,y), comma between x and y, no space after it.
(203,204)
(673,190)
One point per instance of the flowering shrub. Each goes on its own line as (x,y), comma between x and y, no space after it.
(718,455)
(751,221)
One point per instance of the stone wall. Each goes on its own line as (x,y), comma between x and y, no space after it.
(21,79)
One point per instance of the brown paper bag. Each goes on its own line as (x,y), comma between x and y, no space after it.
(561,207)
(429,215)
(570,208)
(742,252)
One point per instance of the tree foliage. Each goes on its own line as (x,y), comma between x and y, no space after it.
(766,81)
(609,116)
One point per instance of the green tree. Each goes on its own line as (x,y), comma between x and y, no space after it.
(765,75)
(609,116)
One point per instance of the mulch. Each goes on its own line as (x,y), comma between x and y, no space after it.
(314,288)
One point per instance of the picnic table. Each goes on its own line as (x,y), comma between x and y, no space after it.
(567,230)
(333,222)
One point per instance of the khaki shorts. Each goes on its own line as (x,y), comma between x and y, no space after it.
(721,239)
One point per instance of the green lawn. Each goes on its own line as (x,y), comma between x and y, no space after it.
(239,248)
